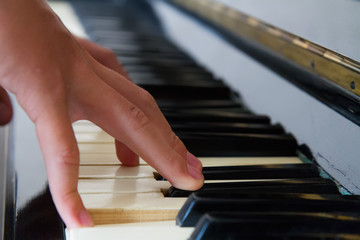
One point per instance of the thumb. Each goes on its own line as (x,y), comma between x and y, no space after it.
(58,144)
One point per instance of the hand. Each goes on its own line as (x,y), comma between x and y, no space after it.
(56,81)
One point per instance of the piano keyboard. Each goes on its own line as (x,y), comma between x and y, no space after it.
(109,187)
(256,186)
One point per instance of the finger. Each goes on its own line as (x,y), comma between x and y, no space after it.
(103,55)
(125,155)
(138,96)
(130,125)
(143,100)
(58,145)
(5,107)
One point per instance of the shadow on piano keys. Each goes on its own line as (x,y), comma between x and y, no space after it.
(259,182)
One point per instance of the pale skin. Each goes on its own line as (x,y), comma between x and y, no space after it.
(58,79)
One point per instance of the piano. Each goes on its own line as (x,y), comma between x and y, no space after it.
(275,123)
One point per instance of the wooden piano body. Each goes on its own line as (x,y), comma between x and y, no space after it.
(332,137)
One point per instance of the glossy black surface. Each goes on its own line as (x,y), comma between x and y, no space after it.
(199,203)
(317,185)
(237,144)
(30,212)
(279,171)
(276,225)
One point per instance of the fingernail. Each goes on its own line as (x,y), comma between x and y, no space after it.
(195,172)
(85,219)
(193,161)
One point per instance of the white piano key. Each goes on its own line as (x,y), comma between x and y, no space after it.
(97,147)
(116,171)
(102,159)
(94,137)
(132,231)
(136,185)
(127,208)
(146,171)
(124,186)
(111,158)
(98,159)
(97,141)
(87,128)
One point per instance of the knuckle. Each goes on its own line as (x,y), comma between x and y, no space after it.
(67,197)
(137,119)
(109,56)
(177,144)
(146,98)
(106,57)
(174,140)
(68,156)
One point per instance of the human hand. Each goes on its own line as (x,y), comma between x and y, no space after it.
(56,81)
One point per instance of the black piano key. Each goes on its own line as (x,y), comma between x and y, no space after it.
(138,40)
(109,23)
(154,56)
(169,71)
(152,61)
(86,9)
(172,75)
(300,236)
(185,89)
(226,127)
(318,185)
(238,144)
(150,55)
(159,82)
(211,111)
(166,104)
(277,195)
(186,92)
(236,225)
(176,77)
(142,61)
(117,37)
(231,117)
(149,48)
(275,171)
(199,203)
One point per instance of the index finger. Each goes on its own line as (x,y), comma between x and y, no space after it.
(160,147)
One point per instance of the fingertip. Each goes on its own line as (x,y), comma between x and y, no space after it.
(191,180)
(85,219)
(193,161)
(125,155)
(189,184)
(195,173)
(73,212)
